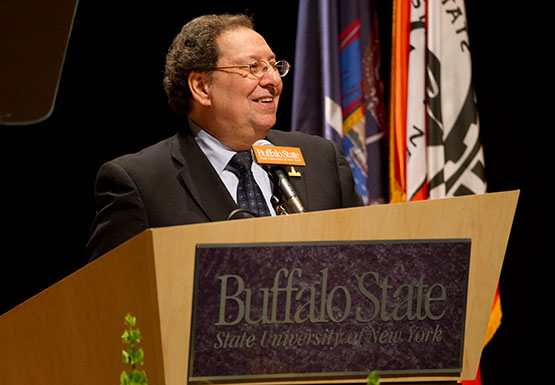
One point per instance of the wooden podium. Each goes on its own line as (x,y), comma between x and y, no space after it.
(71,332)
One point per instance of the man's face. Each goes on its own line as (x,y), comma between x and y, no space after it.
(243,107)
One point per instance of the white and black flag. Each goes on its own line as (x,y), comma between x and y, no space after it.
(455,161)
(444,156)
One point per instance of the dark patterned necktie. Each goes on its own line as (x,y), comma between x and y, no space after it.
(249,195)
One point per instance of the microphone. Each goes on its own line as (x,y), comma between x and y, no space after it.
(280,178)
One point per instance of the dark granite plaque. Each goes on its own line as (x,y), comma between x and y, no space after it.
(326,310)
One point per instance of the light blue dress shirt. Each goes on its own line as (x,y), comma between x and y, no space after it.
(219,156)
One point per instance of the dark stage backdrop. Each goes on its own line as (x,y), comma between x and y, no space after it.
(111,102)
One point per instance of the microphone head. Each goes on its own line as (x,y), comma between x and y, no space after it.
(262,142)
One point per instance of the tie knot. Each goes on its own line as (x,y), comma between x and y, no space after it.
(242,161)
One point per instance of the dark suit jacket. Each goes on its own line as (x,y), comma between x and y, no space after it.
(173,183)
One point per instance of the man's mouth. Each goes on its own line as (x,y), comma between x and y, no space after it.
(264,100)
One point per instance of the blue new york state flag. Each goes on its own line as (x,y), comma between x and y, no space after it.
(337,90)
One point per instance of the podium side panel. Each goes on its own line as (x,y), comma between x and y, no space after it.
(71,332)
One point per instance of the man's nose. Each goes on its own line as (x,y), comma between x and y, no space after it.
(271,77)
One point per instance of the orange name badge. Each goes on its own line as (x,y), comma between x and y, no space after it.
(289,156)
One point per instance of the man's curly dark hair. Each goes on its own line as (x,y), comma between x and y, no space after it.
(195,49)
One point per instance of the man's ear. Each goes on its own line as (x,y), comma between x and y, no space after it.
(198,84)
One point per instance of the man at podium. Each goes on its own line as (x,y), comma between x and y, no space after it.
(224,78)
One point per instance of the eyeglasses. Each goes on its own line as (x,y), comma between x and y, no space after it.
(259,68)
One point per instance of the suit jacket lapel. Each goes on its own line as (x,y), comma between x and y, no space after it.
(298,183)
(200,178)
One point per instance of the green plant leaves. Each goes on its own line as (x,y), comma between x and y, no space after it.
(132,356)
(134,377)
(131,336)
(373,378)
(130,320)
